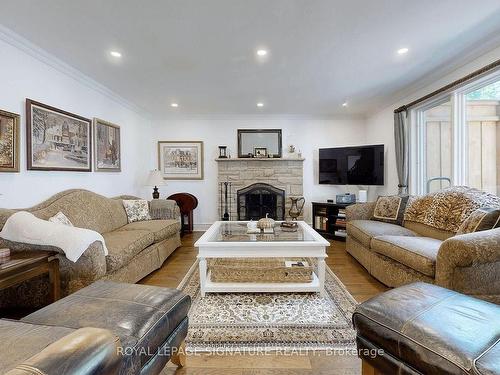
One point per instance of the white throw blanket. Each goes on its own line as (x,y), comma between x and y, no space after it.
(26,228)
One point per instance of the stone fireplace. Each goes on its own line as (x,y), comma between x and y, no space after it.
(260,186)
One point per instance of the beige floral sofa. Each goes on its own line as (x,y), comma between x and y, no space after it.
(426,247)
(134,250)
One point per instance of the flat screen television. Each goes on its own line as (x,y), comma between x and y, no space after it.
(362,165)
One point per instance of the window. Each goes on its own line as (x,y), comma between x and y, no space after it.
(483,133)
(455,139)
(438,137)
(488,92)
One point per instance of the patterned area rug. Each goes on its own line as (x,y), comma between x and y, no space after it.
(284,321)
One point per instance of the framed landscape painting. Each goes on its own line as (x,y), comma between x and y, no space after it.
(181,160)
(9,142)
(57,140)
(107,146)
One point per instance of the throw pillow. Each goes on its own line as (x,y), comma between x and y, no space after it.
(390,209)
(482,219)
(137,210)
(61,218)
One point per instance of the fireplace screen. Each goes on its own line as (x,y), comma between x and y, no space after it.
(257,200)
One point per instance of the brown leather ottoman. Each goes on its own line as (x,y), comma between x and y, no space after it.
(151,322)
(29,349)
(426,329)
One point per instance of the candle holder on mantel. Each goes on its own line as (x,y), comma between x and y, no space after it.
(223,152)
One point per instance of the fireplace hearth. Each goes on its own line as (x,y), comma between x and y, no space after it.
(258,200)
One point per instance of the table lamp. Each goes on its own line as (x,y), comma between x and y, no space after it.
(155,179)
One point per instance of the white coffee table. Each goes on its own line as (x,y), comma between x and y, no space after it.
(228,239)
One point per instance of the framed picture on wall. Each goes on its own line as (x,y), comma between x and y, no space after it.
(9,142)
(57,140)
(107,146)
(181,160)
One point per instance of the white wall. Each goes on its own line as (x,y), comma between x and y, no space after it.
(307,133)
(380,125)
(24,76)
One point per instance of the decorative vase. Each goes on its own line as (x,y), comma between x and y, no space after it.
(266,224)
(296,209)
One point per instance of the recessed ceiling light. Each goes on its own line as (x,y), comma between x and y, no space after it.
(261,52)
(402,51)
(345,104)
(115,54)
(175,105)
(260,104)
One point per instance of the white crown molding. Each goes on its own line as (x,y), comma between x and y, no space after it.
(40,54)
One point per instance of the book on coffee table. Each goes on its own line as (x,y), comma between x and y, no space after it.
(296,263)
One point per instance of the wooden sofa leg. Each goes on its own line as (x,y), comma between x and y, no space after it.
(367,369)
(179,358)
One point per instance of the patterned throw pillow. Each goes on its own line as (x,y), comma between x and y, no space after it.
(482,219)
(137,210)
(61,218)
(390,209)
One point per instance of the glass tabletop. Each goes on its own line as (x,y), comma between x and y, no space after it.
(237,232)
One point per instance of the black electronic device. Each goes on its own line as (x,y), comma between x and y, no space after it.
(362,165)
(346,198)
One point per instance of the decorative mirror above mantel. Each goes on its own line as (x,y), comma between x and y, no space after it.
(259,143)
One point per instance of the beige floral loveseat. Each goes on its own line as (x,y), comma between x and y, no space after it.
(134,250)
(426,247)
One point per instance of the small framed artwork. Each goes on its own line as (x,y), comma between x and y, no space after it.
(107,146)
(260,152)
(57,140)
(181,160)
(9,142)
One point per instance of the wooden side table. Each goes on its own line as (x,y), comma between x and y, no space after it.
(25,265)
(187,203)
(329,220)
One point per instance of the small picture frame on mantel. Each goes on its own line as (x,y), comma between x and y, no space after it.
(260,152)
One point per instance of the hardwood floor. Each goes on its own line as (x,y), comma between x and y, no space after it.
(357,281)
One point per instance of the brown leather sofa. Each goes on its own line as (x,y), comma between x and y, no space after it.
(426,247)
(135,249)
(135,329)
(425,329)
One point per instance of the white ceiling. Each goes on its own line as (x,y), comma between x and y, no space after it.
(201,53)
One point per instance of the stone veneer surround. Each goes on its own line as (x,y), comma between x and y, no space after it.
(286,174)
